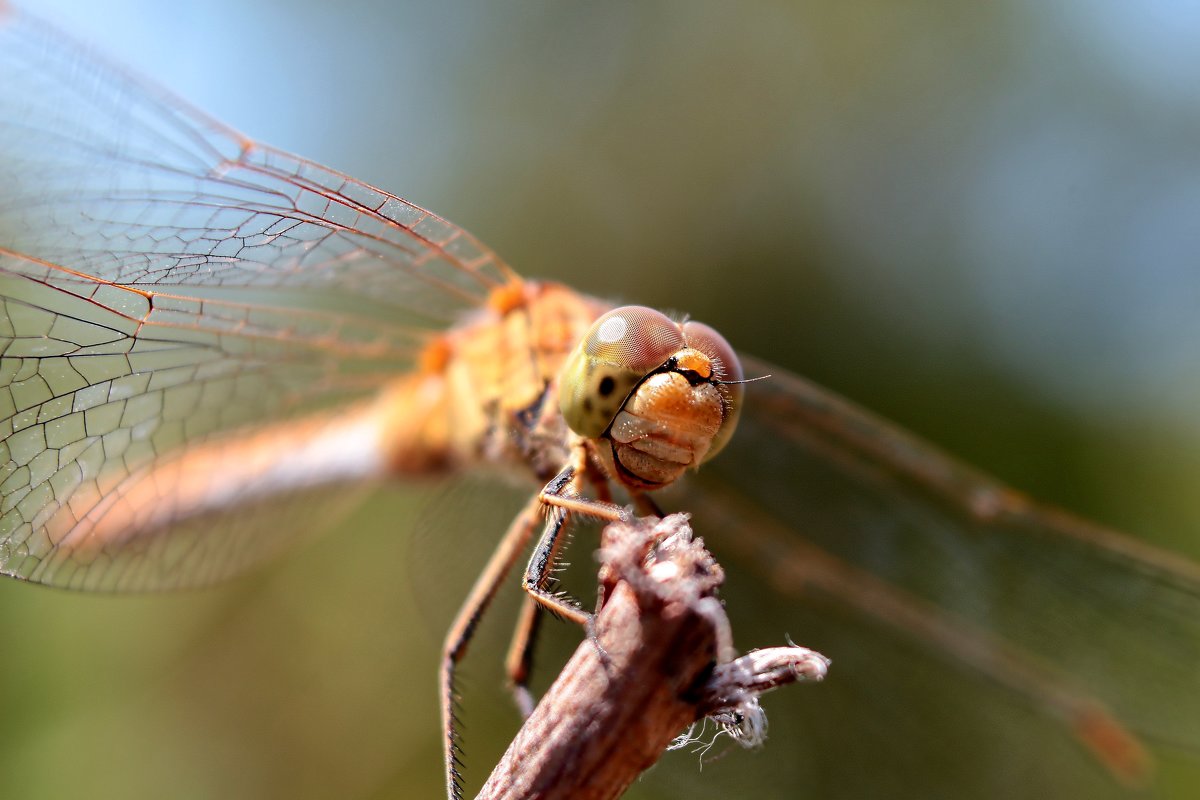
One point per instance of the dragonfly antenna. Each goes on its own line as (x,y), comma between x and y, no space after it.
(743,380)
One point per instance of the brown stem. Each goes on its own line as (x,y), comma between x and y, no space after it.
(659,658)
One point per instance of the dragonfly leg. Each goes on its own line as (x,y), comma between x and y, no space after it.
(563,493)
(646,506)
(561,498)
(465,623)
(519,664)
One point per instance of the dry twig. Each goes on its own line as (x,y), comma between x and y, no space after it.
(661,658)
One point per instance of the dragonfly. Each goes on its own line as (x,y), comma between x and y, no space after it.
(208,341)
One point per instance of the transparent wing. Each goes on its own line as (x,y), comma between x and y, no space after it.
(126,183)
(829,504)
(164,282)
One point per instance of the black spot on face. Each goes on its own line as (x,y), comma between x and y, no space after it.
(587,405)
(607,384)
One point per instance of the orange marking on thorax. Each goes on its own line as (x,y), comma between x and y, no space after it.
(435,356)
(475,377)
(508,297)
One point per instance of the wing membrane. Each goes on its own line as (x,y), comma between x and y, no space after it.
(827,501)
(166,283)
(123,182)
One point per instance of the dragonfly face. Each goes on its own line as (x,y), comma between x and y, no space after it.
(151,320)
(657,397)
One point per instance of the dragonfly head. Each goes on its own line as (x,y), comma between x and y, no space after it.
(657,397)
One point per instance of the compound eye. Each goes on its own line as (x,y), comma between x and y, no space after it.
(622,347)
(726,367)
(636,338)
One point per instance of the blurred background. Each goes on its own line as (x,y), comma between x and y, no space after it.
(979,220)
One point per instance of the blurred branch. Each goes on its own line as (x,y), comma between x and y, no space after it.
(659,659)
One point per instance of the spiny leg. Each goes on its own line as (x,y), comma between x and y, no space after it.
(561,498)
(465,623)
(519,664)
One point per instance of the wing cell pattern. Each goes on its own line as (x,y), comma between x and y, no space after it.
(165,283)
